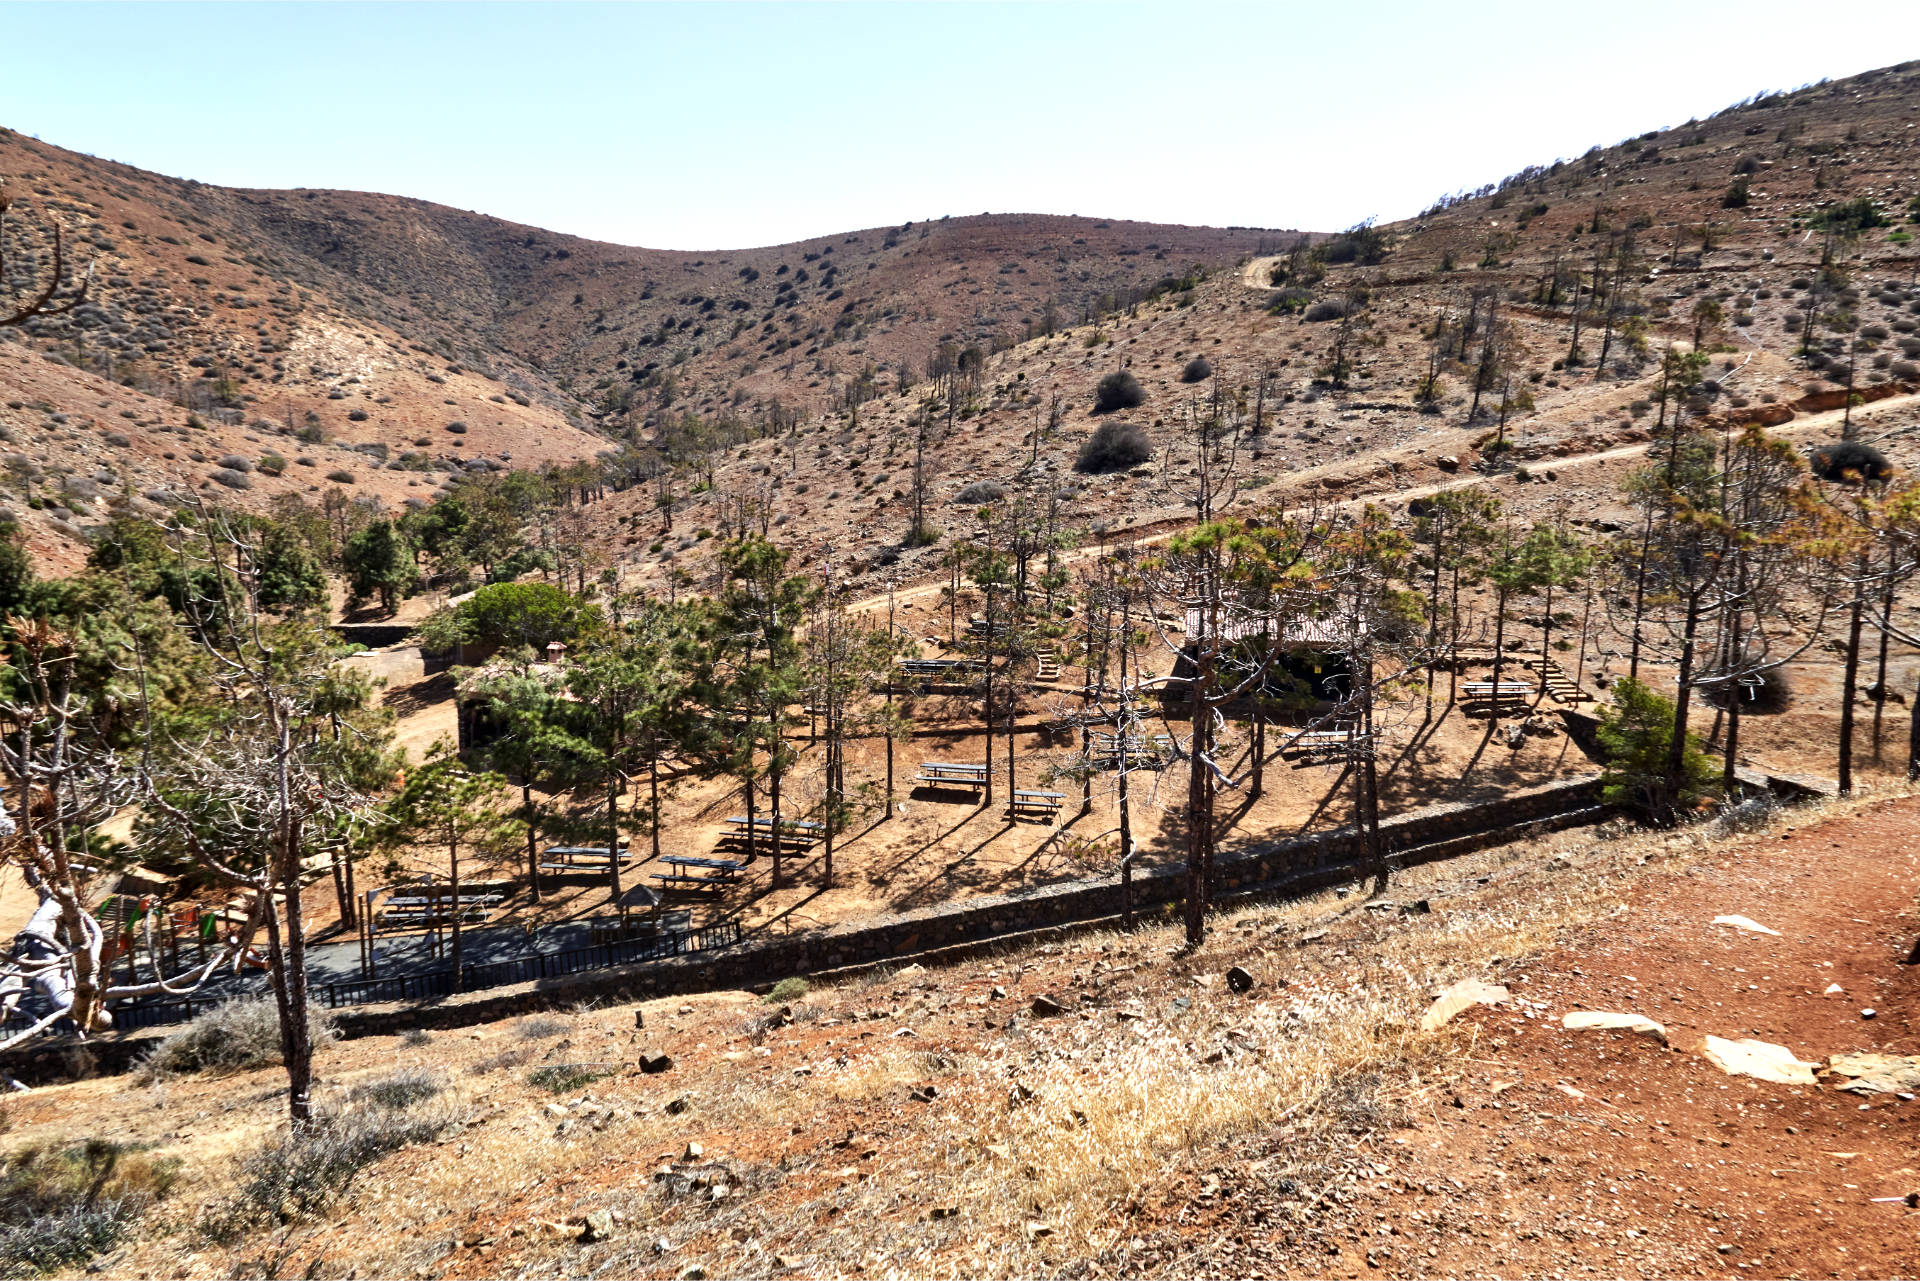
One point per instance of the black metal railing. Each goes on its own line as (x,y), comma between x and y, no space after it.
(434,984)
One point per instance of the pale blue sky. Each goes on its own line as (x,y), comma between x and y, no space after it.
(719,125)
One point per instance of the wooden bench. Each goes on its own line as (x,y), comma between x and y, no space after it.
(952,774)
(576,858)
(1508,692)
(682,881)
(1026,804)
(724,869)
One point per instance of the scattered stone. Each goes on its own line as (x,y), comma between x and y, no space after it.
(1598,1021)
(1045,1006)
(925,1094)
(598,1226)
(676,1106)
(693,1153)
(1759,1059)
(1238,980)
(1463,995)
(1868,1014)
(1877,1073)
(944,1212)
(1036,1230)
(653,1064)
(1834,989)
(1419,907)
(1447,462)
(1746,923)
(998,994)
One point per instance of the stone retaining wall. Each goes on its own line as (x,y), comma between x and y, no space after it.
(1296,864)
(952,932)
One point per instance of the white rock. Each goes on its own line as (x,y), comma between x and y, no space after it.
(1762,1060)
(1599,1021)
(1463,995)
(1746,923)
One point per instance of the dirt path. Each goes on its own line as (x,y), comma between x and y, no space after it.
(1258,274)
(1806,423)
(1563,1153)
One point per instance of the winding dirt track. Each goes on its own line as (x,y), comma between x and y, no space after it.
(1158,527)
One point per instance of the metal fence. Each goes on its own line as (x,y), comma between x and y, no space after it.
(438,983)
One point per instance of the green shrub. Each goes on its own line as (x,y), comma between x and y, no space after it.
(1635,738)
(791,989)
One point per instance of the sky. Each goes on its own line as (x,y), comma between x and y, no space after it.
(714,126)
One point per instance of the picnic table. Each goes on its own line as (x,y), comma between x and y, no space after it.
(940,666)
(951,774)
(1506,692)
(1029,804)
(687,881)
(573,858)
(788,833)
(725,868)
(423,909)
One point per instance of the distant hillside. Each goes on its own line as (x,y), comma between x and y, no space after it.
(391,339)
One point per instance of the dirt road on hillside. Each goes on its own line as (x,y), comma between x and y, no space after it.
(1865,416)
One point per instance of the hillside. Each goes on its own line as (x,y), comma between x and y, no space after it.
(400,341)
(942,1121)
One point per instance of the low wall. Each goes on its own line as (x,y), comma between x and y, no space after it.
(1292,865)
(1298,864)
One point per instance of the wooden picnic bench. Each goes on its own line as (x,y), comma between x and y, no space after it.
(952,774)
(1029,804)
(725,868)
(1508,691)
(574,858)
(685,881)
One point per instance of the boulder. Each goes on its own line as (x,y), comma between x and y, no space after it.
(1463,995)
(1761,1060)
(1239,980)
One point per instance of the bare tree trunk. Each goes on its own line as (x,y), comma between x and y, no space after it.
(1848,685)
(533,840)
(1682,704)
(1880,672)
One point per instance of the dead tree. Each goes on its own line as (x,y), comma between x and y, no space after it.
(62,290)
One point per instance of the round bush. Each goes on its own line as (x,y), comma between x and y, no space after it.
(237,462)
(233,479)
(1198,370)
(340,477)
(1114,446)
(1849,460)
(1331,309)
(458,429)
(1119,390)
(981,491)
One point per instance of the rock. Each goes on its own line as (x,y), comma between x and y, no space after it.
(556,1110)
(1036,1230)
(1759,1059)
(1419,907)
(1834,989)
(1745,923)
(944,1212)
(925,1094)
(1868,1014)
(998,994)
(676,1106)
(1463,995)
(1877,1073)
(639,1017)
(653,1064)
(1597,1021)
(1238,980)
(1045,1006)
(693,1152)
(1447,462)
(598,1226)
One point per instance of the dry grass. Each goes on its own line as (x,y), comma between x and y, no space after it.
(839,1157)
